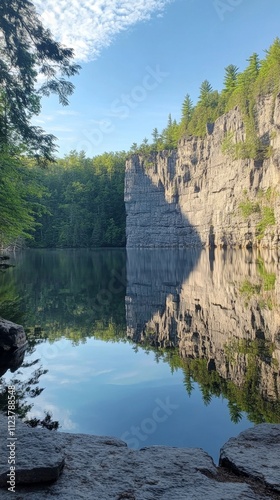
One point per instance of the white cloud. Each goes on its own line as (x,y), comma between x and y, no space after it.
(61,128)
(90,25)
(44,119)
(58,413)
(68,112)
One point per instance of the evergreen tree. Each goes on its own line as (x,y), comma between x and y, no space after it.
(134,148)
(169,121)
(230,84)
(253,68)
(187,111)
(171,134)
(144,148)
(205,92)
(206,110)
(156,139)
(230,80)
(269,70)
(244,89)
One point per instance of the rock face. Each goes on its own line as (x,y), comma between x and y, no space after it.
(37,456)
(104,468)
(12,336)
(255,453)
(192,196)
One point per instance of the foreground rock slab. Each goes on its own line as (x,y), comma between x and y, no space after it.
(103,468)
(36,455)
(255,453)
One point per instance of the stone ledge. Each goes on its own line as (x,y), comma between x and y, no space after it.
(104,468)
(255,453)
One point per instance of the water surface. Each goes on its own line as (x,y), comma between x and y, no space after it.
(168,347)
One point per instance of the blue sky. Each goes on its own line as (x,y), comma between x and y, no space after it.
(139,60)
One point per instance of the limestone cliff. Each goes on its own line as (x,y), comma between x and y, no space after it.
(193,196)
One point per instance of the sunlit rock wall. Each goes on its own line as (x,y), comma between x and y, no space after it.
(191,196)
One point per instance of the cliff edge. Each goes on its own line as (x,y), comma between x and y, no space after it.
(206,193)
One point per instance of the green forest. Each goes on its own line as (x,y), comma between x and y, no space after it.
(77,201)
(82,202)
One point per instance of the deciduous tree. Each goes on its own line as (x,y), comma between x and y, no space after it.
(27,52)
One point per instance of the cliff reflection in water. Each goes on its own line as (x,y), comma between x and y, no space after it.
(221,312)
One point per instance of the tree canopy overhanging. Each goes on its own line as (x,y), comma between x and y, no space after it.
(29,54)
(32,65)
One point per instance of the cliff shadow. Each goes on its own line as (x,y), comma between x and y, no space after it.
(152,276)
(153,215)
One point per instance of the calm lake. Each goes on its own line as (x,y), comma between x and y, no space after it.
(167,347)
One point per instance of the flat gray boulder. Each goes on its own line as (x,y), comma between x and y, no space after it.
(255,453)
(37,456)
(12,336)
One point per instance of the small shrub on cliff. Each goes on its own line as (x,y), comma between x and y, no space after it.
(269,279)
(268,219)
(247,208)
(249,289)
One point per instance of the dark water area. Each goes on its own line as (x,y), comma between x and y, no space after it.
(167,347)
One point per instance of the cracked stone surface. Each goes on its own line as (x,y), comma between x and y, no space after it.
(255,453)
(104,468)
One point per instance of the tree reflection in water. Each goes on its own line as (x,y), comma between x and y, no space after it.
(220,326)
(26,389)
(215,317)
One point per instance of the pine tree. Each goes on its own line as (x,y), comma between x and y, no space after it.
(269,70)
(187,111)
(134,148)
(205,91)
(155,137)
(253,68)
(171,134)
(230,80)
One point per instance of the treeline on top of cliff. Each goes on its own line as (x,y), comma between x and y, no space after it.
(241,89)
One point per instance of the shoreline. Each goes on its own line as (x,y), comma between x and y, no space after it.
(81,466)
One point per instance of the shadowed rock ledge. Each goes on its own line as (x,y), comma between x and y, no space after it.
(104,468)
